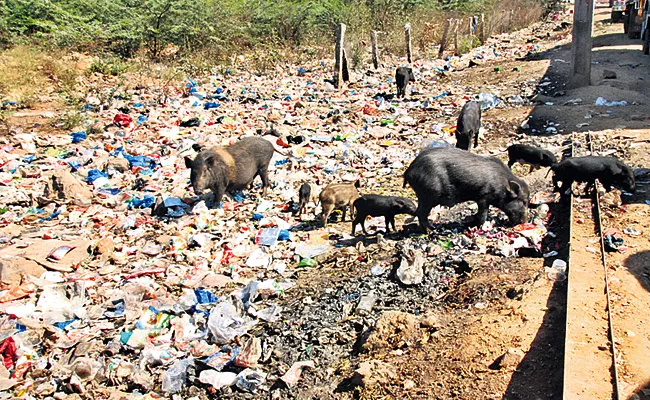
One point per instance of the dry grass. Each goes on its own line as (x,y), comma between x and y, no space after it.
(27,74)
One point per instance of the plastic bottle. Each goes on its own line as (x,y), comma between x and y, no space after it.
(366,303)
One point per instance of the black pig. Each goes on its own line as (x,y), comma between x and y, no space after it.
(376,206)
(403,75)
(468,125)
(532,155)
(226,169)
(609,171)
(304,196)
(448,176)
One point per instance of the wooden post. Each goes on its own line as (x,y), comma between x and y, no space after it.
(443,42)
(583,15)
(482,28)
(346,71)
(512,12)
(456,25)
(338,68)
(407,37)
(375,52)
(469,27)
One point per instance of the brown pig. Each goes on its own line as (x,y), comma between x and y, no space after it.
(338,195)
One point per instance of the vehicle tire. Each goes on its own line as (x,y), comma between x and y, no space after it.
(617,16)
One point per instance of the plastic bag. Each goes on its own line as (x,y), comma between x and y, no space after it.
(175,377)
(217,379)
(78,136)
(250,380)
(227,321)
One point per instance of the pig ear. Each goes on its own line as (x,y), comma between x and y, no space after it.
(514,189)
(210,161)
(188,162)
(197,147)
(617,169)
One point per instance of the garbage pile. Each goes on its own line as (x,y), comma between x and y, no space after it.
(115,275)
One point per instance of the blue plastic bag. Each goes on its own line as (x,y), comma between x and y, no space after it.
(78,136)
(95,174)
(146,202)
(205,297)
(211,104)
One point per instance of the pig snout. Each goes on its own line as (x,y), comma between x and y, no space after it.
(408,208)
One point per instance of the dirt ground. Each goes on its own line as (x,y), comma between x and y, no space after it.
(499,332)
(458,360)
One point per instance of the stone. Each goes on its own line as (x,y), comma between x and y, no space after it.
(118,164)
(429,320)
(609,74)
(12,268)
(511,358)
(393,329)
(374,372)
(64,186)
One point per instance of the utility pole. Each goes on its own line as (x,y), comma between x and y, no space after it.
(407,39)
(583,17)
(340,54)
(375,52)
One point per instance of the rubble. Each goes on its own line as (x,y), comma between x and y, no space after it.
(510,358)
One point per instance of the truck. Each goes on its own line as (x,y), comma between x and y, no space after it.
(618,7)
(633,18)
(635,21)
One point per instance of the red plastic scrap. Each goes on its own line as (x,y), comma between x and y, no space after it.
(122,120)
(8,350)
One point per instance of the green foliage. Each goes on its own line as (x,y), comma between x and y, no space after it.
(110,66)
(215,28)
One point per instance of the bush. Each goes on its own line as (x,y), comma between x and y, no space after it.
(221,28)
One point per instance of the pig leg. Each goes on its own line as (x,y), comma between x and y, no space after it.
(392,221)
(532,168)
(359,219)
(387,221)
(263,173)
(327,210)
(481,216)
(511,162)
(476,139)
(422,212)
(218,195)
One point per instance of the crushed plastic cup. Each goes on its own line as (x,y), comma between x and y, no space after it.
(558,270)
(560,265)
